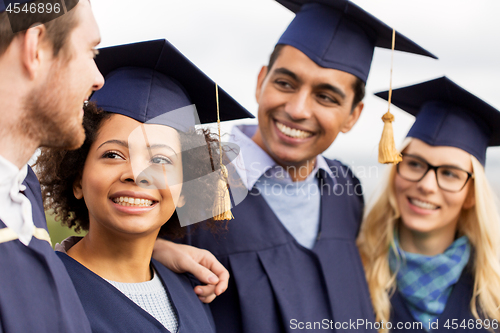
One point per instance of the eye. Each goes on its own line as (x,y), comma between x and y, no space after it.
(415,164)
(324,98)
(450,173)
(160,159)
(283,84)
(113,155)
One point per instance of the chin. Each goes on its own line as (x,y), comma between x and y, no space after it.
(421,227)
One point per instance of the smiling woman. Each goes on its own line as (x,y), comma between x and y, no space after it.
(136,169)
(431,242)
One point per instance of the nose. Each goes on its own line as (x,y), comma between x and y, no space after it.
(98,80)
(143,179)
(298,105)
(428,184)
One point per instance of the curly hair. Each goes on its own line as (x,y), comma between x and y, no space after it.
(58,170)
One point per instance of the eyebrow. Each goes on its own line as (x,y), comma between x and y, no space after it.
(441,165)
(286,72)
(322,86)
(125,145)
(162,145)
(118,142)
(333,89)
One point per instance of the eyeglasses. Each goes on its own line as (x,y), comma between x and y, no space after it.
(449,178)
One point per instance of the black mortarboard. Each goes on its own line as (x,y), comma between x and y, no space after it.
(448,115)
(340,35)
(148,79)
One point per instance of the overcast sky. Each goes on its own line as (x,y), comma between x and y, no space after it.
(231,39)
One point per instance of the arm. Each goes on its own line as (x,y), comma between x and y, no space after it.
(201,263)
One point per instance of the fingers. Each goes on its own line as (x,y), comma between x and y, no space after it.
(207,300)
(205,293)
(201,263)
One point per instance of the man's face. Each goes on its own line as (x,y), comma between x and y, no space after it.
(58,103)
(302,107)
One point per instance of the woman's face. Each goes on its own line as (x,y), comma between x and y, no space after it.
(424,206)
(132,177)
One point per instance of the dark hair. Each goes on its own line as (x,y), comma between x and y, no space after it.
(58,26)
(358,86)
(59,169)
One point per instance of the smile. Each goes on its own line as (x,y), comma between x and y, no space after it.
(423,204)
(132,202)
(292,132)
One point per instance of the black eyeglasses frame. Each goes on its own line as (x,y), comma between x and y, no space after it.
(435,168)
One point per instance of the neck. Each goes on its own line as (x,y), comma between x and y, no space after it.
(298,171)
(114,257)
(426,243)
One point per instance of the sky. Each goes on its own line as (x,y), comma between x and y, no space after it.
(232,39)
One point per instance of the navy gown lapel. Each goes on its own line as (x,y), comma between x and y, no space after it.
(336,250)
(276,281)
(457,307)
(109,310)
(37,293)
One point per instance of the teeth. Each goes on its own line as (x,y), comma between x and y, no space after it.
(132,202)
(423,204)
(292,132)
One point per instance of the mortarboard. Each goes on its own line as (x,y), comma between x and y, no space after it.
(164,80)
(448,115)
(153,83)
(340,35)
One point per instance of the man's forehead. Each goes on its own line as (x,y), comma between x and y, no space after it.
(301,66)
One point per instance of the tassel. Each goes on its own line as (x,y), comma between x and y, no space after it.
(387,152)
(222,208)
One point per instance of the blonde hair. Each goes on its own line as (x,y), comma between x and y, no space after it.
(481,224)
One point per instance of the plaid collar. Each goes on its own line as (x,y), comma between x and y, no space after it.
(425,282)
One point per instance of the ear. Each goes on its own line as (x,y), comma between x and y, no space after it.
(260,81)
(353,118)
(470,200)
(181,201)
(34,50)
(77,189)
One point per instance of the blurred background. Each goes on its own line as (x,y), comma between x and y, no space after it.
(231,39)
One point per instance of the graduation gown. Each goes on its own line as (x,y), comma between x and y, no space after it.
(109,310)
(457,307)
(276,284)
(36,292)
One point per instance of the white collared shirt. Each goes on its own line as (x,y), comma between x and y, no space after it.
(256,161)
(15,208)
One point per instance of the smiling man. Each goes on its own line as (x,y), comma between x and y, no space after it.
(46,74)
(291,249)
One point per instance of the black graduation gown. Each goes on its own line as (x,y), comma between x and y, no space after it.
(36,293)
(109,310)
(276,284)
(457,307)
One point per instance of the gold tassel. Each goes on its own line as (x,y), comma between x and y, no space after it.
(387,152)
(222,208)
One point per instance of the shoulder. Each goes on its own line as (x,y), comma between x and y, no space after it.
(341,170)
(345,177)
